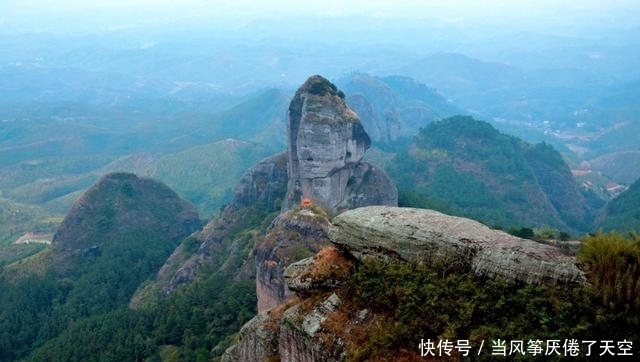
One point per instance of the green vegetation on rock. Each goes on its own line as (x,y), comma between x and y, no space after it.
(623,213)
(447,301)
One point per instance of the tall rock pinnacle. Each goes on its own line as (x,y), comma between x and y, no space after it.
(323,162)
(326,143)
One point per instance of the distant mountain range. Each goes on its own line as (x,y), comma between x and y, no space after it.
(140,154)
(393,108)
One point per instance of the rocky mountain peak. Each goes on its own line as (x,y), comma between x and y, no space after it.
(323,163)
(326,144)
(320,86)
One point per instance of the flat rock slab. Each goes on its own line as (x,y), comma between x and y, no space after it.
(427,236)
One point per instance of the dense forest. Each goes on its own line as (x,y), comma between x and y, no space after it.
(466,167)
(51,319)
(622,213)
(73,300)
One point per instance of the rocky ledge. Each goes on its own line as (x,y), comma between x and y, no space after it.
(427,236)
(293,235)
(292,331)
(303,328)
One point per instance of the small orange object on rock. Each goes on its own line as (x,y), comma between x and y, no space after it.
(306,203)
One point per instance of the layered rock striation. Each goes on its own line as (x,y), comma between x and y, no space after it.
(303,327)
(292,330)
(427,236)
(323,162)
(326,143)
(293,235)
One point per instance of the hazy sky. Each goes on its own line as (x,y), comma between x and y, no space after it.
(45,15)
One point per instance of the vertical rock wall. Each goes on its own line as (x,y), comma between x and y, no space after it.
(326,144)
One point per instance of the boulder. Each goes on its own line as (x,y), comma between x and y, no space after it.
(427,236)
(322,272)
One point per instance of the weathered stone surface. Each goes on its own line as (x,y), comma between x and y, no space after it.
(312,322)
(261,188)
(326,143)
(322,272)
(296,326)
(257,340)
(297,331)
(427,236)
(288,334)
(262,185)
(368,185)
(323,160)
(293,275)
(293,235)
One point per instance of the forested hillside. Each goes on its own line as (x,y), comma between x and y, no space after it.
(467,167)
(623,212)
(115,237)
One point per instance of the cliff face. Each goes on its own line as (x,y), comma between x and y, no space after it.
(293,330)
(323,162)
(293,235)
(263,185)
(314,325)
(326,143)
(260,191)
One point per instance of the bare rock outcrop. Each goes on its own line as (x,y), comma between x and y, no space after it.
(320,273)
(261,189)
(293,235)
(316,323)
(292,331)
(324,163)
(326,143)
(427,236)
(263,185)
(287,335)
(297,340)
(257,340)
